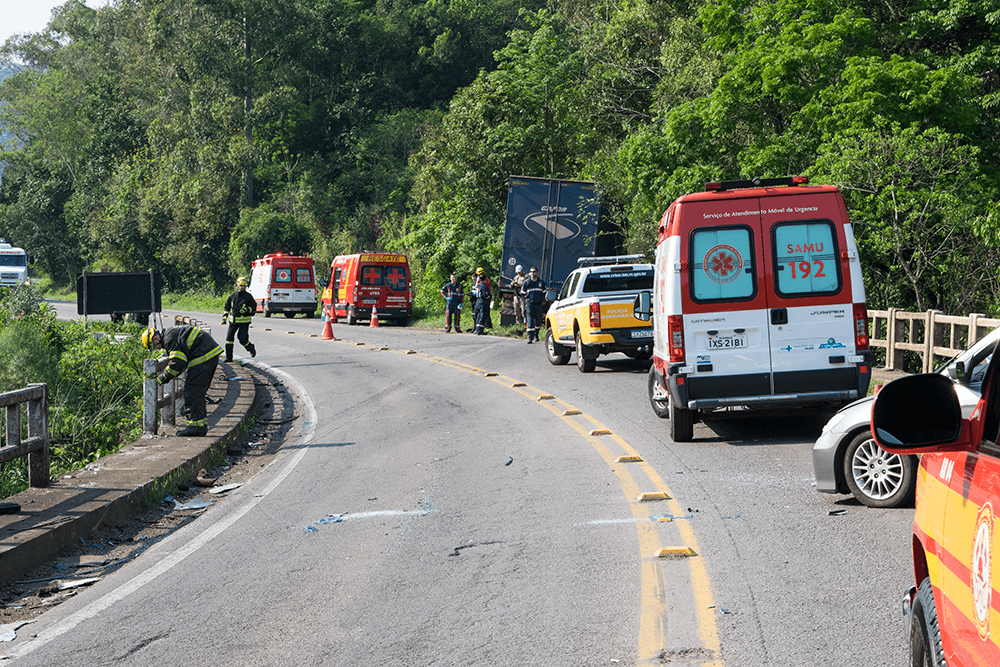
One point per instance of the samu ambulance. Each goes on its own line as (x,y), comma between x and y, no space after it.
(758,303)
(283,283)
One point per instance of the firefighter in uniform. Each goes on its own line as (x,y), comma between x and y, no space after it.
(481,295)
(240,308)
(533,291)
(188,348)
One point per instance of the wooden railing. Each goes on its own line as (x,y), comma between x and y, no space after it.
(36,445)
(933,335)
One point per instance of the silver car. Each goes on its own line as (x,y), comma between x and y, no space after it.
(846,458)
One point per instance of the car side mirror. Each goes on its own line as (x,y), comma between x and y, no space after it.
(956,371)
(917,411)
(642,307)
(551,295)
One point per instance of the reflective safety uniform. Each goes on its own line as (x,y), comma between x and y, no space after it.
(240,307)
(191,348)
(533,291)
(453,295)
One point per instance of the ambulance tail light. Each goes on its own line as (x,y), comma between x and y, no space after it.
(860,327)
(675,337)
(595,315)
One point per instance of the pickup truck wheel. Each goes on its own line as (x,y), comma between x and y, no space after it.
(658,396)
(351,317)
(557,354)
(681,424)
(585,365)
(925,635)
(876,477)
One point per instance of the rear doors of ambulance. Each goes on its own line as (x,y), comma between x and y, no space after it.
(768,298)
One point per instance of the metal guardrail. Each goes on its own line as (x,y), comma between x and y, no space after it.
(36,445)
(930,335)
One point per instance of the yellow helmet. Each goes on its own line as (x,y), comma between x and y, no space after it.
(148,336)
(242,280)
(479,270)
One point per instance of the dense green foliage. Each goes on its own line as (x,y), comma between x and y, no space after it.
(190,136)
(94,382)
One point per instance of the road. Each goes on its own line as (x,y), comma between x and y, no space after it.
(429,512)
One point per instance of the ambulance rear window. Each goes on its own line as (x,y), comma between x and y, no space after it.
(805,257)
(722,264)
(371,275)
(395,278)
(282,275)
(303,275)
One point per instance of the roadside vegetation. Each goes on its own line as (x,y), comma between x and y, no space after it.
(190,138)
(94,381)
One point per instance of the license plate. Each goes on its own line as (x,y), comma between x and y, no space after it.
(369,302)
(726,342)
(642,333)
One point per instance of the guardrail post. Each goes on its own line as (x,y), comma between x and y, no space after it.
(149,396)
(931,332)
(894,334)
(38,427)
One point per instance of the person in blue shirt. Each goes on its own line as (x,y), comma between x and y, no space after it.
(482,295)
(453,295)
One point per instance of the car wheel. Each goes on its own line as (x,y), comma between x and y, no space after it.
(585,365)
(351,318)
(311,314)
(289,315)
(266,309)
(925,634)
(557,354)
(658,396)
(681,423)
(876,477)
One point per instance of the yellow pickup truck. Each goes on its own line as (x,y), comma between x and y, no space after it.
(592,313)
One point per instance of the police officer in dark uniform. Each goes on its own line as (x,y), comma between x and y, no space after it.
(533,291)
(192,349)
(240,308)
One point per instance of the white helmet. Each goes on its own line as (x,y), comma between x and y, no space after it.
(518,268)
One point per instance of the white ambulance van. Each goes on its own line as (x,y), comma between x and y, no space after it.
(758,303)
(13,265)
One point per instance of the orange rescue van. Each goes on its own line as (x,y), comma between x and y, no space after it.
(284,284)
(361,281)
(758,303)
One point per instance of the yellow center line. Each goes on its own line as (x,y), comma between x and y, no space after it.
(653,616)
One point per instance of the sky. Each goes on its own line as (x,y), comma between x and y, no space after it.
(20,16)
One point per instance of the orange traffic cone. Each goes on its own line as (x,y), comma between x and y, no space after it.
(374,322)
(333,314)
(328,331)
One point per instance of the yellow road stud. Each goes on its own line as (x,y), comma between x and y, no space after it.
(571,412)
(600,431)
(545,397)
(628,459)
(411,351)
(676,552)
(489,374)
(652,495)
(518,384)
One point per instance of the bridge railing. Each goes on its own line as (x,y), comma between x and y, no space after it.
(156,398)
(932,336)
(36,445)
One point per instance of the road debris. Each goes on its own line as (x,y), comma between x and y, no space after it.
(8,633)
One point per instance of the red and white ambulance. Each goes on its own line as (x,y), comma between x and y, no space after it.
(284,284)
(360,282)
(758,303)
(953,610)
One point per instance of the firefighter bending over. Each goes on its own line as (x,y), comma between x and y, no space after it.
(240,307)
(191,348)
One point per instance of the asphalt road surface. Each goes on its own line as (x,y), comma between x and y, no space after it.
(431,510)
